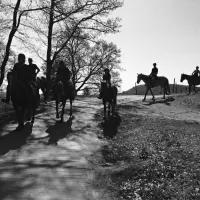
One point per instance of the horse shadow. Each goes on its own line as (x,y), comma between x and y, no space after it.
(110,126)
(59,131)
(164,101)
(15,139)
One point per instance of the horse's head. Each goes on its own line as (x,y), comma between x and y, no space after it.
(183,77)
(139,78)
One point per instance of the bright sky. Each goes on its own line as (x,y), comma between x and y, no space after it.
(163,31)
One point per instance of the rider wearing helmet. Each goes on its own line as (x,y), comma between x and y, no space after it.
(154,73)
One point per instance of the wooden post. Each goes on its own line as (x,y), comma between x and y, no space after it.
(176,88)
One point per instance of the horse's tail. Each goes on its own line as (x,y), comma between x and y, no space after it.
(168,88)
(115,94)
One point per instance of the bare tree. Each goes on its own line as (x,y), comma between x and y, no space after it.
(88,62)
(17,14)
(67,16)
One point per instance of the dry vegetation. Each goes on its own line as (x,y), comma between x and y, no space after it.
(154,157)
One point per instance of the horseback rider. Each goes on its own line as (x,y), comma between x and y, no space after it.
(63,74)
(154,73)
(34,69)
(107,79)
(16,69)
(196,72)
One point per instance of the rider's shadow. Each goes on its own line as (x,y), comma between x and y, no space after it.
(110,126)
(14,139)
(166,101)
(59,131)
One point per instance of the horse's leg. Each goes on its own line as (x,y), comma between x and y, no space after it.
(164,91)
(22,113)
(34,107)
(17,111)
(63,111)
(109,109)
(147,89)
(70,107)
(57,114)
(104,107)
(189,89)
(113,106)
(195,89)
(153,98)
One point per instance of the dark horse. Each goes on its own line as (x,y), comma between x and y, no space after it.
(192,81)
(24,99)
(62,92)
(160,81)
(109,95)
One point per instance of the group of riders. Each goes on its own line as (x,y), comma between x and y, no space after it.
(27,75)
(154,72)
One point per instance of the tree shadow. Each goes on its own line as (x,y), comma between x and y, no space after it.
(164,101)
(110,126)
(59,131)
(15,139)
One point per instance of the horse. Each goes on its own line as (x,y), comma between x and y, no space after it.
(42,84)
(192,81)
(160,81)
(109,94)
(62,92)
(24,99)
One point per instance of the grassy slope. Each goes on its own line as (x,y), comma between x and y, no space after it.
(160,158)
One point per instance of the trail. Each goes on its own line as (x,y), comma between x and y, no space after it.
(30,169)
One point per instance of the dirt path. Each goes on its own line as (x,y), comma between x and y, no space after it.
(30,169)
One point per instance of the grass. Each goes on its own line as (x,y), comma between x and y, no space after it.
(160,158)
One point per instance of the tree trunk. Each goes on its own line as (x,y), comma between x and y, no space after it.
(10,38)
(49,60)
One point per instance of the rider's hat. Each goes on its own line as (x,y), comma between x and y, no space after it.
(106,69)
(197,67)
(154,64)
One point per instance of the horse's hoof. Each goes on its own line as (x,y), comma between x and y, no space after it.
(143,100)
(61,121)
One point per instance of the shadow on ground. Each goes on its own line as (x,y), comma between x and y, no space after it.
(59,131)
(14,139)
(164,101)
(110,126)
